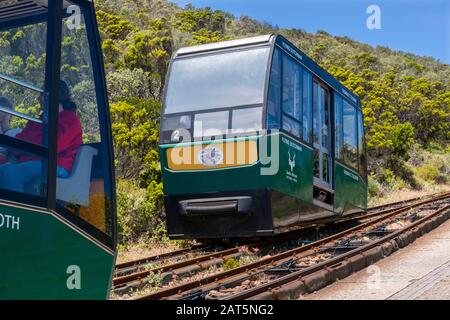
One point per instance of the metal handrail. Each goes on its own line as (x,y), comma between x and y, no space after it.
(21,83)
(20,114)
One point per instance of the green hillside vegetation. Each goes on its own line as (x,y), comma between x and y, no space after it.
(405,98)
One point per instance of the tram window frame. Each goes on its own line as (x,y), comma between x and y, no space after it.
(338,126)
(362,148)
(295,76)
(345,153)
(104,146)
(54,18)
(42,150)
(307,106)
(285,116)
(274,91)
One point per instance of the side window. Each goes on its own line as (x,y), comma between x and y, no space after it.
(316,106)
(211,123)
(291,97)
(361,146)
(274,98)
(246,120)
(338,126)
(307,106)
(350,148)
(83,167)
(23,156)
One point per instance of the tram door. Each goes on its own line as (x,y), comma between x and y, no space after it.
(322,136)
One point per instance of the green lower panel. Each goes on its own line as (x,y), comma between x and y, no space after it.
(280,185)
(287,170)
(294,175)
(43,258)
(350,190)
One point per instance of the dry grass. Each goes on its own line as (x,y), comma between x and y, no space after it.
(405,194)
(145,247)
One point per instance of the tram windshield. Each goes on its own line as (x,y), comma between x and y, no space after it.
(215,81)
(204,88)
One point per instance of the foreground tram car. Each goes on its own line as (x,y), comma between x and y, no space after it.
(257,139)
(57,209)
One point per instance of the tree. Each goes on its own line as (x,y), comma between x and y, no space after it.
(135,133)
(150,50)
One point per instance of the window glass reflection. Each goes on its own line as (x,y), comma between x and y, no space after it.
(220,80)
(246,120)
(211,124)
(350,149)
(85,190)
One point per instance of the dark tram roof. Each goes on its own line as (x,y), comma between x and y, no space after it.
(23,9)
(285,45)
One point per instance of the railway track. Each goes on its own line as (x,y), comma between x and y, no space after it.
(224,284)
(134,266)
(188,263)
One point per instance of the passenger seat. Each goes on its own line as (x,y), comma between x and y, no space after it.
(75,188)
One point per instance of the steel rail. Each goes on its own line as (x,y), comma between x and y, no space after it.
(123,280)
(176,290)
(331,262)
(158,257)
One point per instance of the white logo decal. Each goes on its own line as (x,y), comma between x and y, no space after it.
(210,156)
(290,175)
(74,280)
(291,162)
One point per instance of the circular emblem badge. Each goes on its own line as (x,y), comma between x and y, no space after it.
(210,156)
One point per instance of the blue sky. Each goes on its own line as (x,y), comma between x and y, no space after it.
(421,27)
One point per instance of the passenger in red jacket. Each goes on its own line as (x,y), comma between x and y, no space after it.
(27,168)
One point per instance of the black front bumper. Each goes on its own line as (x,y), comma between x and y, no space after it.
(219,215)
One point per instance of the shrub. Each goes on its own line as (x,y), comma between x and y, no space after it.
(139,212)
(428,172)
(374,187)
(231,264)
(402,138)
(386,176)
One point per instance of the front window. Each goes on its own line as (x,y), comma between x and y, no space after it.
(247,119)
(23,157)
(211,123)
(213,81)
(83,177)
(215,94)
